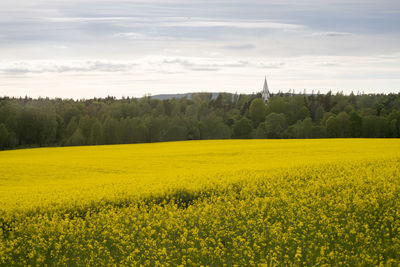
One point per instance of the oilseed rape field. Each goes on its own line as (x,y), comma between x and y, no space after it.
(203,203)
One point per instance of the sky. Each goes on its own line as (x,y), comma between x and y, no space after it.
(96,48)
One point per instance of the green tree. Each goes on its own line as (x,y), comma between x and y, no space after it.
(110,131)
(72,125)
(176,133)
(77,138)
(140,131)
(36,127)
(302,129)
(156,128)
(3,136)
(332,127)
(394,123)
(344,124)
(213,127)
(275,125)
(257,111)
(60,130)
(85,124)
(126,131)
(374,126)
(243,128)
(319,113)
(355,123)
(96,133)
(261,132)
(276,105)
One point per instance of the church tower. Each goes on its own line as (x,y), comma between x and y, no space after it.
(265,92)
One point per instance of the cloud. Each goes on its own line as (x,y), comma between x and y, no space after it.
(331,34)
(147,64)
(240,47)
(329,64)
(130,35)
(270,65)
(85,19)
(141,36)
(243,24)
(46,66)
(209,42)
(204,64)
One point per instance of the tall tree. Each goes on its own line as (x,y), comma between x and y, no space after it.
(110,131)
(3,136)
(257,111)
(96,133)
(355,122)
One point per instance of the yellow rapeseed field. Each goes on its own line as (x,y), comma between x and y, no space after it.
(193,203)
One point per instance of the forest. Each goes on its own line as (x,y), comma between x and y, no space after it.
(27,122)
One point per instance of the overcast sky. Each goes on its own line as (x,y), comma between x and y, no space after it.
(87,48)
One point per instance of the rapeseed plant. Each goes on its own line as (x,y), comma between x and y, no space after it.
(233,202)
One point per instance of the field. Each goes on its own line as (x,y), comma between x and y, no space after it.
(223,202)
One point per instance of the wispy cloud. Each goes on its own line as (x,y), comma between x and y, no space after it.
(330,34)
(240,47)
(50,66)
(86,19)
(154,64)
(244,24)
(130,35)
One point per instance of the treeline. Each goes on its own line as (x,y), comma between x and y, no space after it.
(26,122)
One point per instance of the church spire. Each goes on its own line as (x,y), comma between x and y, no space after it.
(265,92)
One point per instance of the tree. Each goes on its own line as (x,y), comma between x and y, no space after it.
(36,127)
(319,113)
(374,126)
(110,129)
(60,130)
(85,124)
(96,133)
(257,111)
(344,124)
(159,109)
(261,132)
(140,131)
(275,125)
(394,123)
(126,131)
(332,127)
(77,138)
(3,136)
(355,123)
(276,105)
(213,127)
(156,128)
(72,125)
(176,133)
(296,110)
(243,129)
(12,140)
(302,129)
(43,122)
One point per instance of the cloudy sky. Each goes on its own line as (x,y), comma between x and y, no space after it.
(87,48)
